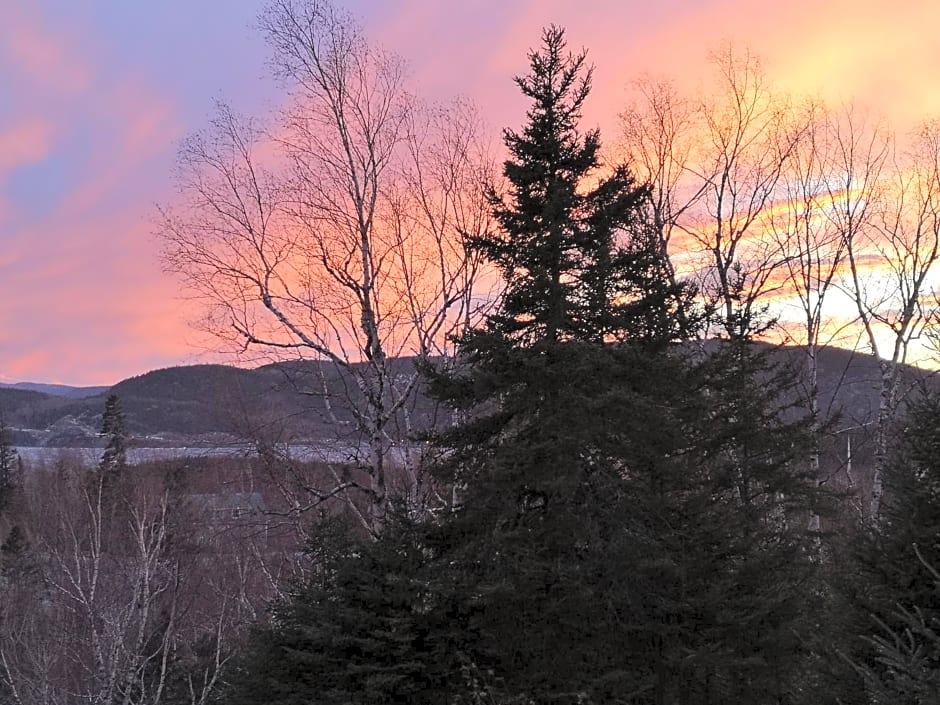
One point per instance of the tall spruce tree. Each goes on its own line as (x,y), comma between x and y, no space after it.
(630,522)
(570,274)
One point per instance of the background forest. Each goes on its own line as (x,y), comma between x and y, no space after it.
(574,468)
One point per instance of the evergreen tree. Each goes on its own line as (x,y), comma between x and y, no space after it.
(114,459)
(634,524)
(631,522)
(15,559)
(568,274)
(912,509)
(9,468)
(893,591)
(360,629)
(753,438)
(903,667)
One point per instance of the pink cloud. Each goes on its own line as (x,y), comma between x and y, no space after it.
(39,54)
(24,143)
(147,128)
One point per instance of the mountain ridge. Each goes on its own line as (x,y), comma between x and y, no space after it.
(283,402)
(56,390)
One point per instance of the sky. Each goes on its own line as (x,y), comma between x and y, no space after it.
(95,96)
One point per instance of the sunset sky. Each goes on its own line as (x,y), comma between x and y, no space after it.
(96,94)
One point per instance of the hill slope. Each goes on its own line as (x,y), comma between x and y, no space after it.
(207,404)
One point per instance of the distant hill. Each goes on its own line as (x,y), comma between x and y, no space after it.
(218,404)
(57,390)
(197,405)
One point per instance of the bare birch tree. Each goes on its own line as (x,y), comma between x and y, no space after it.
(808,224)
(128,600)
(756,199)
(657,135)
(747,142)
(349,250)
(892,264)
(811,251)
(715,168)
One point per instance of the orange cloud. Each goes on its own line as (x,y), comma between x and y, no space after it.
(882,55)
(98,309)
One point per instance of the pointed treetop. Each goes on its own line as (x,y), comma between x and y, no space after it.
(578,253)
